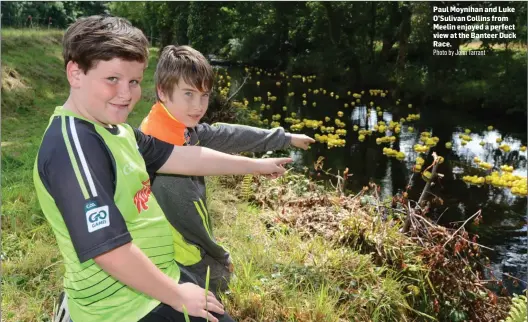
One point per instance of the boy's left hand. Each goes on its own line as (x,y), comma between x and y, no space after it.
(301,141)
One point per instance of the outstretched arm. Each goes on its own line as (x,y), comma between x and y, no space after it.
(200,161)
(234,138)
(163,157)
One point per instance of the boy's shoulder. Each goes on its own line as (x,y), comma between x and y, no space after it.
(68,137)
(68,128)
(205,125)
(72,149)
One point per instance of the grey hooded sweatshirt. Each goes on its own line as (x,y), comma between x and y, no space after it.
(183,198)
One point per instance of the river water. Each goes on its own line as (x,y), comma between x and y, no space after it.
(504,216)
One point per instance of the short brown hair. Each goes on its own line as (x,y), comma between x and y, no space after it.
(96,38)
(176,62)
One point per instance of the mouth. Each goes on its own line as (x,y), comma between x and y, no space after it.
(195,117)
(120,106)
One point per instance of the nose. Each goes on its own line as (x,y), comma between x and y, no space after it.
(124,92)
(196,103)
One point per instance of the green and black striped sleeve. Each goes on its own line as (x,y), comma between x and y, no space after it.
(78,171)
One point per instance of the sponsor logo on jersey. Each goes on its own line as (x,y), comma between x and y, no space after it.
(142,196)
(129,168)
(97,217)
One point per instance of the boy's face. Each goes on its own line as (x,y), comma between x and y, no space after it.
(108,92)
(187,104)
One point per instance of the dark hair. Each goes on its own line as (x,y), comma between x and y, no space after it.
(96,38)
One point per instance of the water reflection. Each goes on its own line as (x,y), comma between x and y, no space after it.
(503,226)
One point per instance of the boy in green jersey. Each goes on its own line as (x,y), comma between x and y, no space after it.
(92,176)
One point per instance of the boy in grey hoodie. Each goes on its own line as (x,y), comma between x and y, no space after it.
(184,79)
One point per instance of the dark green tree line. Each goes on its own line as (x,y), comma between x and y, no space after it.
(359,43)
(56,14)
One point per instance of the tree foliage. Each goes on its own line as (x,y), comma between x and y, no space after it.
(59,13)
(359,43)
(384,44)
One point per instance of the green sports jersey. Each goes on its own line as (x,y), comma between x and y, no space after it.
(93,185)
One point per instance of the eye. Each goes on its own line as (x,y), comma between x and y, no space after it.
(206,95)
(134,82)
(189,94)
(112,79)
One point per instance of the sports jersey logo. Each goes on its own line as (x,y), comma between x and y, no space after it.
(96,217)
(142,196)
(100,215)
(129,168)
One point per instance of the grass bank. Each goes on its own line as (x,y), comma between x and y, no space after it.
(301,253)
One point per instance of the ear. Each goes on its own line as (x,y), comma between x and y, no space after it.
(73,73)
(161,94)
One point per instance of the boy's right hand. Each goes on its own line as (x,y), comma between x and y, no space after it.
(272,166)
(195,301)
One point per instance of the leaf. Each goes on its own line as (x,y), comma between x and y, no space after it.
(186,314)
(247,190)
(518,310)
(207,277)
(319,163)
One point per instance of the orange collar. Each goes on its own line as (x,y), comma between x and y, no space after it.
(162,125)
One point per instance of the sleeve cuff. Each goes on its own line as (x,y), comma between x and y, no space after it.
(288,139)
(105,247)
